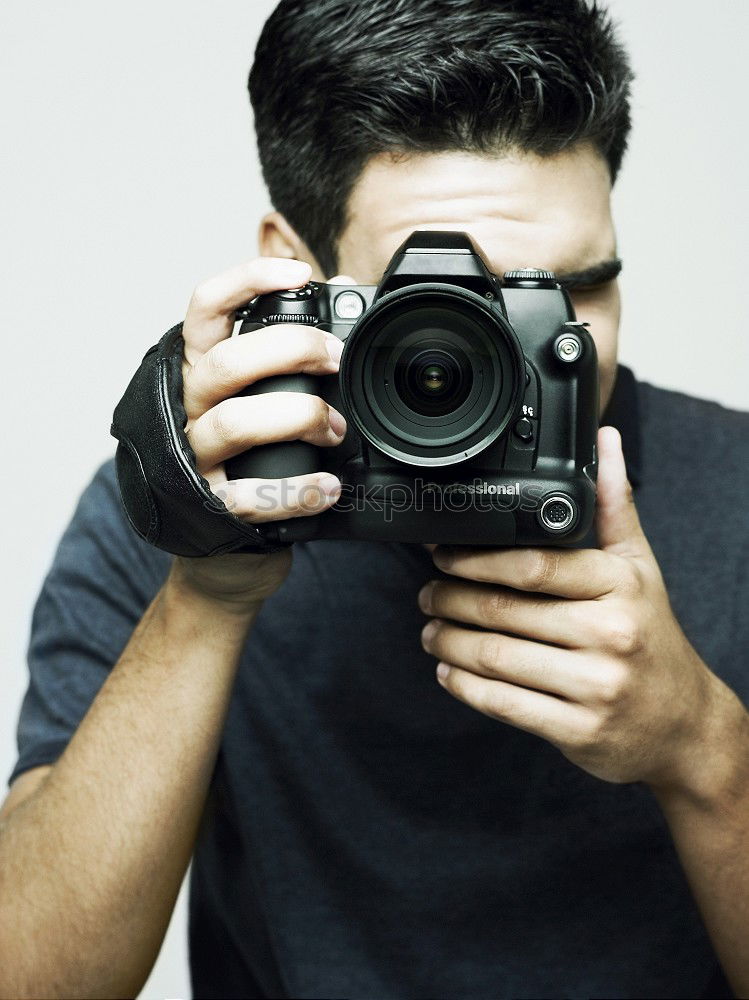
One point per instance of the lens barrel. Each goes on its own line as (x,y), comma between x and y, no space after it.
(431,374)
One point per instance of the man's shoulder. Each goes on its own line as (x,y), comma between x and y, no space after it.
(100,505)
(691,500)
(692,494)
(104,485)
(703,438)
(100,540)
(674,405)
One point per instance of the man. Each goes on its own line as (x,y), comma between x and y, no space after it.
(580,825)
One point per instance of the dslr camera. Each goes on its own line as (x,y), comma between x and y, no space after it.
(471,402)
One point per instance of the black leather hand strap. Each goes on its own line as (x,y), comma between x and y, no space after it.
(166,499)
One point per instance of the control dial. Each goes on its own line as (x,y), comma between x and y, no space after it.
(529,277)
(291,305)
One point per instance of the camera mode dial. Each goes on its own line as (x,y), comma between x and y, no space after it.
(291,305)
(529,277)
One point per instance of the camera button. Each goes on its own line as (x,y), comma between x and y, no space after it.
(307,291)
(524,429)
(348,305)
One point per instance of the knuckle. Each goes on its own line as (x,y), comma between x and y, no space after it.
(314,346)
(590,734)
(302,344)
(578,743)
(497,704)
(492,603)
(489,654)
(541,568)
(500,702)
(622,633)
(225,424)
(612,684)
(201,300)
(629,579)
(318,414)
(221,370)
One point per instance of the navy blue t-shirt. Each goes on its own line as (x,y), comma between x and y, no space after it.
(368,836)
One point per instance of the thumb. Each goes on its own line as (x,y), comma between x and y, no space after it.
(617,524)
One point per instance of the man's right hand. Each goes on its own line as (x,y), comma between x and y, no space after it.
(221,424)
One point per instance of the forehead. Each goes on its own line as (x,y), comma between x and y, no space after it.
(521,209)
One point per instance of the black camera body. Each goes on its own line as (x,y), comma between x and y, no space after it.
(471,403)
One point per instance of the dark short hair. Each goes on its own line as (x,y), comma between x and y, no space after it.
(335,82)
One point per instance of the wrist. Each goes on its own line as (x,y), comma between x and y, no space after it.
(231,609)
(713,766)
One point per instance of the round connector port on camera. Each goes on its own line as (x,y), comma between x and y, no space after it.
(558,513)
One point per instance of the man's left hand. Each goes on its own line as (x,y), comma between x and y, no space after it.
(579,646)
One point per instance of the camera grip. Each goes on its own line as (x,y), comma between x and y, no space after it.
(285,458)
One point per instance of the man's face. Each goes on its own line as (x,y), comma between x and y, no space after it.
(521,210)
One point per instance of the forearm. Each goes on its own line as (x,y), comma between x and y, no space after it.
(709,821)
(91,863)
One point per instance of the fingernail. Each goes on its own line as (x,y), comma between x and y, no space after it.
(334,347)
(425,596)
(337,423)
(330,486)
(427,633)
(442,670)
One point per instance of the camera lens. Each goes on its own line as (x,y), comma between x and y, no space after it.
(431,374)
(433,382)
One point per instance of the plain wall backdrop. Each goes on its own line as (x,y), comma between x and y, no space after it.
(129,174)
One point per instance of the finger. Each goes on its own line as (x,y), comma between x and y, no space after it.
(546,619)
(210,315)
(259,500)
(542,714)
(617,522)
(237,362)
(342,279)
(504,657)
(242,422)
(575,573)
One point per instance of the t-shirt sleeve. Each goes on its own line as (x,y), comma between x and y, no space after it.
(102,579)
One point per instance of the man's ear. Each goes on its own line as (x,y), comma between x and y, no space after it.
(276,238)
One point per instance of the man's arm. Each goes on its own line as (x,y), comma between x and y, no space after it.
(91,862)
(709,824)
(581,647)
(23,788)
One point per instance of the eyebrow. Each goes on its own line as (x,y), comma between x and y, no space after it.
(596,274)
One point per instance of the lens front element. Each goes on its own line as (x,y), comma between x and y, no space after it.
(433,378)
(434,381)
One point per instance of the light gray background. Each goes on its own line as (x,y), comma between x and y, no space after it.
(129,174)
